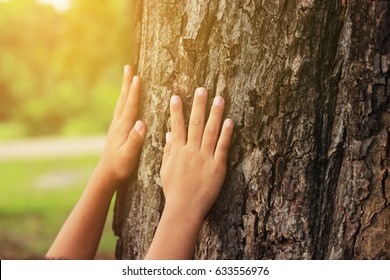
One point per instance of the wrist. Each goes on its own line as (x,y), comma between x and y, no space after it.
(183,214)
(176,234)
(102,179)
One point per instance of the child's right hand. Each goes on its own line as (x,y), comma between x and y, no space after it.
(194,166)
(192,174)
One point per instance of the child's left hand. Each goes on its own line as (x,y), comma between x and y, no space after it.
(80,235)
(126,134)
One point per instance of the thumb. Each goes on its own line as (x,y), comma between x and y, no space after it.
(136,136)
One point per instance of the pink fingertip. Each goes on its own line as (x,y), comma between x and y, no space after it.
(218,100)
(229,123)
(126,69)
(168,137)
(139,126)
(136,79)
(201,91)
(175,99)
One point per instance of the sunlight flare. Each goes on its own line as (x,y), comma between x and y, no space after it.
(60,5)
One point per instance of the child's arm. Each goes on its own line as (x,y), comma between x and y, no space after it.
(80,235)
(192,174)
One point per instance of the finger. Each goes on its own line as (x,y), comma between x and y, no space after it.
(197,119)
(222,149)
(130,110)
(177,122)
(128,74)
(167,149)
(211,131)
(136,137)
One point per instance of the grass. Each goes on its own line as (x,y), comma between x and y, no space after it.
(36,197)
(12,130)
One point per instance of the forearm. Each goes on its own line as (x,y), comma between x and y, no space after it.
(80,235)
(176,235)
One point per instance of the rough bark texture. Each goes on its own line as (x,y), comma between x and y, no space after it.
(307,83)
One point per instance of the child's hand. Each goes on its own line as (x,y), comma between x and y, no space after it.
(194,166)
(192,174)
(80,235)
(126,134)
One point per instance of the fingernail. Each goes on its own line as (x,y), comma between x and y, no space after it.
(218,100)
(175,99)
(126,69)
(138,126)
(228,123)
(168,138)
(200,91)
(135,79)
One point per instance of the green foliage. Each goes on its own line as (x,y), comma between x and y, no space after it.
(60,72)
(12,130)
(34,206)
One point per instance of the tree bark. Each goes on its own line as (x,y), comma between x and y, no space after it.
(307,83)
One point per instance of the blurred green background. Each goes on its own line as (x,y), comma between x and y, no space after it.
(61,66)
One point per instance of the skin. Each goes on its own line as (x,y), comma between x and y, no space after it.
(192,174)
(80,235)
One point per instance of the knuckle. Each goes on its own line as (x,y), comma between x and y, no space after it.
(134,137)
(177,124)
(199,102)
(223,146)
(196,121)
(210,131)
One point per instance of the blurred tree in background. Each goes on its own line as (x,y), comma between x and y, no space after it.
(60,71)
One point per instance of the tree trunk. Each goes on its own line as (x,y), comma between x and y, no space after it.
(307,83)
